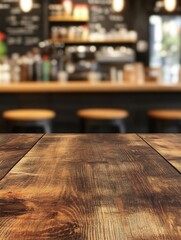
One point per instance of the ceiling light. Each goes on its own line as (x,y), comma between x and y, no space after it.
(26,5)
(170,5)
(118,5)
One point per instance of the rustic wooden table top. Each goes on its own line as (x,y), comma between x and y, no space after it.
(95,187)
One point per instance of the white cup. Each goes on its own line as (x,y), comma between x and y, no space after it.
(94,77)
(62,76)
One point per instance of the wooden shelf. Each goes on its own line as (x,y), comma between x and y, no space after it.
(87,41)
(85,86)
(67,19)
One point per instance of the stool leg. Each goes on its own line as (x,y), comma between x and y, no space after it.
(122,127)
(47,127)
(120,124)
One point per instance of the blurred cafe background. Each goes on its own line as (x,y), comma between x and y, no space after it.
(71,66)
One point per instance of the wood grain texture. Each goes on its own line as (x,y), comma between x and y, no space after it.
(168,145)
(94,187)
(13,147)
(85,86)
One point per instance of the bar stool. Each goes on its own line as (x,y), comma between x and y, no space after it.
(23,118)
(103,119)
(160,119)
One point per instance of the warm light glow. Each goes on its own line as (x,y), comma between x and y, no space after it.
(118,5)
(170,5)
(26,5)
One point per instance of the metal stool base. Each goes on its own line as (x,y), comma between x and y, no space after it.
(102,126)
(45,125)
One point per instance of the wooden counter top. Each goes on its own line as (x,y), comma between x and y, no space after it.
(84,86)
(90,187)
(168,145)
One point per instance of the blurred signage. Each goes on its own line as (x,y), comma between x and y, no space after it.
(23,30)
(101,13)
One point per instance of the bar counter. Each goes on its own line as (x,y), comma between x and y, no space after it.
(90,187)
(85,86)
(67,98)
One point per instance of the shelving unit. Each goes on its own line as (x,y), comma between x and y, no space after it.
(88,41)
(85,59)
(65,19)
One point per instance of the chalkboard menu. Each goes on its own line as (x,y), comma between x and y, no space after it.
(23,30)
(101,12)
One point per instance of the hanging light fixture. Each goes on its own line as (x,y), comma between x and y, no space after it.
(170,5)
(26,5)
(118,5)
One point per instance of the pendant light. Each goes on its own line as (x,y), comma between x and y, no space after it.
(26,5)
(170,5)
(118,5)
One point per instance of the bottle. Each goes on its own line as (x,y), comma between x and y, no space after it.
(68,6)
(3,47)
(6,71)
(23,69)
(15,68)
(1,73)
(46,68)
(113,74)
(38,68)
(62,74)
(54,69)
(54,65)
(37,65)
(30,62)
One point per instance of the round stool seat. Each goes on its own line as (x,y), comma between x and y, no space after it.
(28,115)
(165,114)
(102,114)
(105,119)
(29,118)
